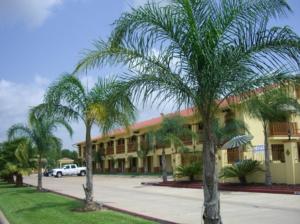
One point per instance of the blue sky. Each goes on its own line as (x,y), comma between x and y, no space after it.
(41,39)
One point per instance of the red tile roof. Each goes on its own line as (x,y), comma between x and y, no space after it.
(185,113)
(147,123)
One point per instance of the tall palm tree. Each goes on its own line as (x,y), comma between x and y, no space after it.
(271,106)
(40,134)
(102,105)
(199,53)
(172,130)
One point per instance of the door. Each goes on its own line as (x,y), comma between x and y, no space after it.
(67,170)
(73,170)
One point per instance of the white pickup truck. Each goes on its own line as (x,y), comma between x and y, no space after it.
(68,170)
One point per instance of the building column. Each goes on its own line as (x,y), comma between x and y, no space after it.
(140,165)
(178,161)
(221,161)
(290,153)
(127,164)
(126,145)
(115,147)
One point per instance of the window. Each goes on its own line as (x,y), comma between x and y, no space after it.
(233,155)
(133,139)
(110,144)
(278,152)
(121,141)
(73,166)
(67,167)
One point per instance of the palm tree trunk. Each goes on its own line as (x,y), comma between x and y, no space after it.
(40,185)
(88,189)
(164,166)
(268,176)
(211,213)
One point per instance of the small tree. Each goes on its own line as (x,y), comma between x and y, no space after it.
(241,170)
(103,105)
(147,145)
(39,133)
(190,170)
(172,129)
(15,158)
(271,105)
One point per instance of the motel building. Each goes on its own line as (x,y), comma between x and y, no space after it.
(117,152)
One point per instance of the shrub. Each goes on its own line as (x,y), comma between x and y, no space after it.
(241,170)
(189,170)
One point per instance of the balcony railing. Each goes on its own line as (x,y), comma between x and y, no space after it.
(187,141)
(110,150)
(283,129)
(120,149)
(132,147)
(161,145)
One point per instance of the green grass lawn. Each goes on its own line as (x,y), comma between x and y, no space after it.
(27,206)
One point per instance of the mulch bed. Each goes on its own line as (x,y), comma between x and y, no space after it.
(258,188)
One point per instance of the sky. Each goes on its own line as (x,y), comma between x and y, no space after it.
(42,39)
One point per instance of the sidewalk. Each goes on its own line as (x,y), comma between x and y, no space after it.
(3,219)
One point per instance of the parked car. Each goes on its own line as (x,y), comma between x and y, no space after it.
(68,170)
(48,173)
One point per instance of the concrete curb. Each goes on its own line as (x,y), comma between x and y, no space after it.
(248,189)
(3,219)
(150,218)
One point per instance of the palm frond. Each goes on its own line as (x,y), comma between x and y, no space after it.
(67,95)
(19,131)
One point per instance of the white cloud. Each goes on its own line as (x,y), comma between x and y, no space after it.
(32,13)
(15,100)
(41,81)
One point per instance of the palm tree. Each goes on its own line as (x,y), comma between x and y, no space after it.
(15,158)
(200,53)
(40,134)
(172,130)
(102,105)
(241,170)
(272,105)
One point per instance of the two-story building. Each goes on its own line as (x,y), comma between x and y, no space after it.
(118,150)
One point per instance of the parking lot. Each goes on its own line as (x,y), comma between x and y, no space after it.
(178,204)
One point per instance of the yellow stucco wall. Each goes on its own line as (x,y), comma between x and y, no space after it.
(256,130)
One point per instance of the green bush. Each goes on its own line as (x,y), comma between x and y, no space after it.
(190,170)
(241,170)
